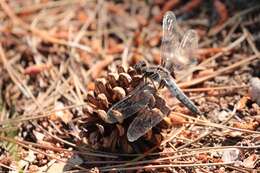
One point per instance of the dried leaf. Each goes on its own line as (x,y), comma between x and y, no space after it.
(39,136)
(221,10)
(251,161)
(57,167)
(35,69)
(28,159)
(166,7)
(242,102)
(64,115)
(177,120)
(191,5)
(223,115)
(246,125)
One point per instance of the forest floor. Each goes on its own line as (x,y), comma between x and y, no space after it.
(64,64)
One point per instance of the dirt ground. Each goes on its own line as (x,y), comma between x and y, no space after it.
(66,65)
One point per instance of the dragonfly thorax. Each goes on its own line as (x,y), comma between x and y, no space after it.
(153,72)
(140,66)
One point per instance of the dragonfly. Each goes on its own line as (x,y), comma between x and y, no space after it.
(176,55)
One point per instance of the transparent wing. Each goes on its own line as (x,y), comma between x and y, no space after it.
(184,54)
(177,49)
(145,120)
(171,38)
(134,102)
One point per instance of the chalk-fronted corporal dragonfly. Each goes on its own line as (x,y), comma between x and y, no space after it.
(176,54)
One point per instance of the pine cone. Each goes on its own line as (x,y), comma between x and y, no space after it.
(101,135)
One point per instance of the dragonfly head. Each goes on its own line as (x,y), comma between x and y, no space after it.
(140,66)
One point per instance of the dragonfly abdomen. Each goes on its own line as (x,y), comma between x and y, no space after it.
(176,91)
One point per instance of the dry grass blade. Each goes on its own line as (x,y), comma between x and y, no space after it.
(25,90)
(209,124)
(39,151)
(42,34)
(49,4)
(232,20)
(167,166)
(213,88)
(218,72)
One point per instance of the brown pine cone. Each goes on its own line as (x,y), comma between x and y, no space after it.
(101,135)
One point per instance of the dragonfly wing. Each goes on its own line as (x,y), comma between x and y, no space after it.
(177,49)
(135,101)
(171,38)
(145,120)
(185,53)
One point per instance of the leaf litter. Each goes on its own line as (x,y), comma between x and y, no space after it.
(65,63)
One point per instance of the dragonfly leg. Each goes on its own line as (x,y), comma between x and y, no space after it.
(161,84)
(146,78)
(152,81)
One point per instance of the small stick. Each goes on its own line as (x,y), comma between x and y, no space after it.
(49,4)
(39,151)
(227,49)
(28,117)
(210,131)
(165,166)
(213,88)
(223,70)
(23,87)
(250,41)
(233,19)
(42,34)
(95,70)
(231,31)
(180,154)
(220,126)
(7,167)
